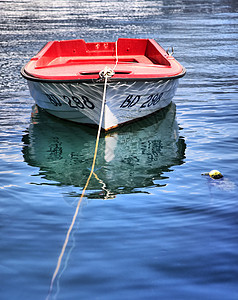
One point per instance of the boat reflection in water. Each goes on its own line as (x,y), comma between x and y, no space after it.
(129,159)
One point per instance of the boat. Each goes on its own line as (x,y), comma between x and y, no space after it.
(130,159)
(67,78)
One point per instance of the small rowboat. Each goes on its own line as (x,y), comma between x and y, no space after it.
(64,79)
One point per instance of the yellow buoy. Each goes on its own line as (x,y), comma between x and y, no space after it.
(214,174)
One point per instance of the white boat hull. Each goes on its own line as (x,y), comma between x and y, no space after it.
(81,102)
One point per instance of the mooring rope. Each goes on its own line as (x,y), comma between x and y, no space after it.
(105,74)
(116,54)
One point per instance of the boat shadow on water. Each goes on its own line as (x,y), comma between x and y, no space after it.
(129,159)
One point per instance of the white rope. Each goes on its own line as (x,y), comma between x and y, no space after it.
(107,72)
(116,57)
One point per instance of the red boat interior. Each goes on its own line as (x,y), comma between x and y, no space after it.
(76,59)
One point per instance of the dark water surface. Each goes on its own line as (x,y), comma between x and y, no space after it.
(150,226)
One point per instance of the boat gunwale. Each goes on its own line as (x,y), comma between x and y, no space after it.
(30,77)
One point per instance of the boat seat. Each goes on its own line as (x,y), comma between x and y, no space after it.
(71,60)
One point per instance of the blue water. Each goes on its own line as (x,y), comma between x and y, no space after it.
(150,226)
